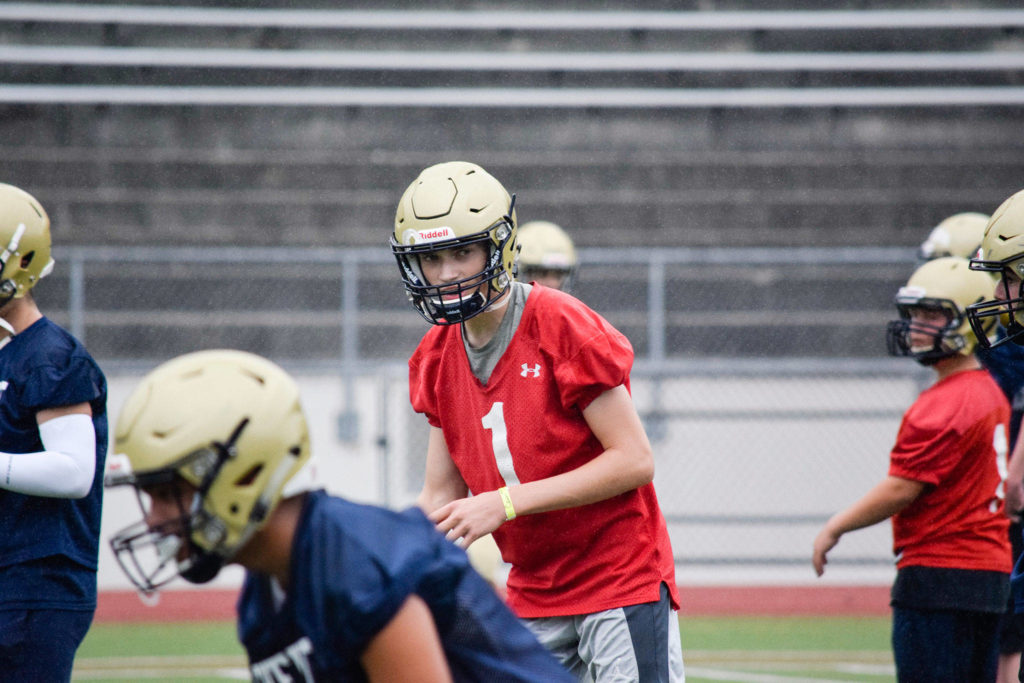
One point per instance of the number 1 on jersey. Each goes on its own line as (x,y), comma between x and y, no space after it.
(494,420)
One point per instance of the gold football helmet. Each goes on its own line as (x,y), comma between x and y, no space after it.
(25,239)
(1002,253)
(454,204)
(228,423)
(959,235)
(948,285)
(546,252)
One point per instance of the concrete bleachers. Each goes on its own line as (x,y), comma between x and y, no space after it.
(259,124)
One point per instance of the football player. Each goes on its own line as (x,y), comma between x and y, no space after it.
(1002,254)
(527,394)
(961,235)
(944,489)
(216,445)
(547,255)
(53,441)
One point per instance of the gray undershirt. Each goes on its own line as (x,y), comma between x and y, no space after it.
(483,359)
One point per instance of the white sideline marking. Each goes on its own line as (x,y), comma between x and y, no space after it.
(231,668)
(748,677)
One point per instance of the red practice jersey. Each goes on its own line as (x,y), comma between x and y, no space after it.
(527,424)
(954,439)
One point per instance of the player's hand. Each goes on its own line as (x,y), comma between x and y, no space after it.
(464,520)
(823,542)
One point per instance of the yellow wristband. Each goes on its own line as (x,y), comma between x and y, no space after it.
(506,500)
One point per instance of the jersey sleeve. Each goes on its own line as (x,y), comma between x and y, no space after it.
(77,380)
(423,367)
(602,361)
(926,448)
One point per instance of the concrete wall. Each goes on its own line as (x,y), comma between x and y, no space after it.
(747,467)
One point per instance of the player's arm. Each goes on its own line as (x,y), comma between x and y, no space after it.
(67,463)
(626,463)
(408,648)
(884,500)
(442,482)
(1015,482)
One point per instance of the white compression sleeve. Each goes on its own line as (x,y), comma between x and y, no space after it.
(64,470)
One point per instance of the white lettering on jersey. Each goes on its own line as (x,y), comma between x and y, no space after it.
(280,667)
(527,369)
(3,386)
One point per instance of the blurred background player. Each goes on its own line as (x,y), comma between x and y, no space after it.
(958,235)
(214,442)
(527,394)
(53,441)
(961,235)
(547,255)
(943,490)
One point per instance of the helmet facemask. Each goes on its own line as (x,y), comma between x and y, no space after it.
(946,339)
(151,555)
(455,302)
(1007,311)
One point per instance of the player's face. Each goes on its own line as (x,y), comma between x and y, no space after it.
(924,323)
(166,508)
(548,277)
(1009,285)
(453,265)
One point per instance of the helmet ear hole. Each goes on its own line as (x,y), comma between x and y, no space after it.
(250,476)
(27,259)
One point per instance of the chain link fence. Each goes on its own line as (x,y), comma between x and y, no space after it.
(761,376)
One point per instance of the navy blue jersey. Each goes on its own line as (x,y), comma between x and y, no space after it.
(49,546)
(352,568)
(1006,365)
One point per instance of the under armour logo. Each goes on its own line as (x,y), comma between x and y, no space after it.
(527,369)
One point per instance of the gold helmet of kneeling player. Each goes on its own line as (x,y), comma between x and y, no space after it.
(230,425)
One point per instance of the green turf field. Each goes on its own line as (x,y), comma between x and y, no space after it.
(740,649)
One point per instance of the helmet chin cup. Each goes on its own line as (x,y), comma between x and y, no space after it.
(201,567)
(1015,333)
(460,310)
(985,315)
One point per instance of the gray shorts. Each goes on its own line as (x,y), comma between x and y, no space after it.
(634,644)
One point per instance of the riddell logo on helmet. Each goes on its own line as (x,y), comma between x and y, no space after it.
(431,235)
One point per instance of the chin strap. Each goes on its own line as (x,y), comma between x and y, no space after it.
(10,333)
(12,246)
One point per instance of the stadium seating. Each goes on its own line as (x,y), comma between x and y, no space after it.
(256,124)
